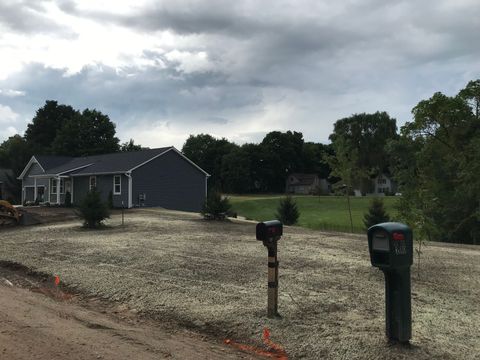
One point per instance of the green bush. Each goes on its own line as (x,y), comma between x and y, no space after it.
(376,213)
(287,211)
(92,210)
(68,199)
(216,207)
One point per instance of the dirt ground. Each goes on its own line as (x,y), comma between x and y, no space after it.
(210,278)
(39,321)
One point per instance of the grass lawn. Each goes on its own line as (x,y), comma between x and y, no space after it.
(324,212)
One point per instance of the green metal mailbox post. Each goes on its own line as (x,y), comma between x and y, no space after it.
(391,250)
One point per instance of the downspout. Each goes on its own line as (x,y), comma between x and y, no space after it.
(58,190)
(129,176)
(35,195)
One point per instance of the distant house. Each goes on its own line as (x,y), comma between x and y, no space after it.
(306,184)
(4,179)
(156,177)
(384,185)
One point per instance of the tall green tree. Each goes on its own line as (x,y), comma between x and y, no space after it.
(14,154)
(48,121)
(360,140)
(281,154)
(207,152)
(438,171)
(88,133)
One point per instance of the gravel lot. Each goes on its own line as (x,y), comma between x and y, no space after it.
(211,277)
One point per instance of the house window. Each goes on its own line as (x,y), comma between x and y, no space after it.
(93,182)
(382,181)
(53,186)
(117,185)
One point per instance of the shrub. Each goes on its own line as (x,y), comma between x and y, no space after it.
(92,210)
(287,211)
(68,199)
(216,207)
(110,200)
(376,213)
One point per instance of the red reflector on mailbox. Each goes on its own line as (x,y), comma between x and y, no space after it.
(398,236)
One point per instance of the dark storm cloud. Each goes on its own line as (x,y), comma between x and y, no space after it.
(132,96)
(307,44)
(30,17)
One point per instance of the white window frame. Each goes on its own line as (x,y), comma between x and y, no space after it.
(53,185)
(62,186)
(119,192)
(90,187)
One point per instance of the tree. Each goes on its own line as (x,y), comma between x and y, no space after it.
(43,129)
(438,169)
(208,152)
(376,213)
(131,146)
(92,210)
(216,207)
(14,155)
(360,141)
(287,211)
(88,133)
(281,155)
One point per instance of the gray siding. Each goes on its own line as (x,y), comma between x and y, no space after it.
(171,182)
(81,185)
(35,169)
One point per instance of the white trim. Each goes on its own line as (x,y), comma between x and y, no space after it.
(120,184)
(32,160)
(130,186)
(90,182)
(35,189)
(163,153)
(58,190)
(50,190)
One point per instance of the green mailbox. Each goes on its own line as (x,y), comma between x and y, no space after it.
(391,250)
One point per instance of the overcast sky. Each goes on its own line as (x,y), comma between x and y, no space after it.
(237,69)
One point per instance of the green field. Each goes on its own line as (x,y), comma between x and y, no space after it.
(324,212)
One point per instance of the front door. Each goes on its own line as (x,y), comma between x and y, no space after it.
(68,186)
(41,193)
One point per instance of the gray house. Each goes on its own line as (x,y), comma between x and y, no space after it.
(306,184)
(156,177)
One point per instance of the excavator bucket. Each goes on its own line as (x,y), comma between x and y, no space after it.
(8,214)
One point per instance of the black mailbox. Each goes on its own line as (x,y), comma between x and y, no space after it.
(391,250)
(390,245)
(269,230)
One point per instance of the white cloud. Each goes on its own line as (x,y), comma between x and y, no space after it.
(7,115)
(11,92)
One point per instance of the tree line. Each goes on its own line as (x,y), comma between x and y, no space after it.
(435,159)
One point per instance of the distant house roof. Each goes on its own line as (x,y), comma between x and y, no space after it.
(303,179)
(120,162)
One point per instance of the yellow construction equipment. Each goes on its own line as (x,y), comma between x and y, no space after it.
(8,214)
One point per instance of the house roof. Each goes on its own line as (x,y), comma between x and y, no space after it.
(303,179)
(120,162)
(48,162)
